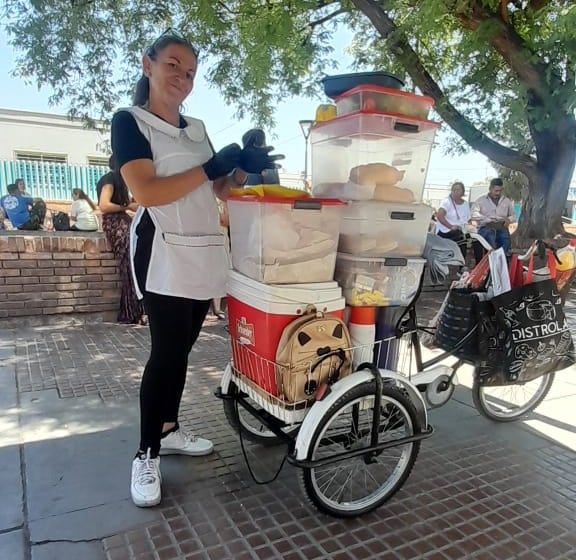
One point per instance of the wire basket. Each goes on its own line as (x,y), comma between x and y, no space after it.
(261,379)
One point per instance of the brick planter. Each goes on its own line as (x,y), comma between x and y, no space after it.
(48,276)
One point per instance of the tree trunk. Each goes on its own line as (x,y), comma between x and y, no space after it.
(542,209)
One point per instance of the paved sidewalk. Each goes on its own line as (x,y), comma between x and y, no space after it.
(70,426)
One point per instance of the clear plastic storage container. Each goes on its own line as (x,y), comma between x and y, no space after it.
(371,281)
(375,228)
(374,99)
(284,241)
(371,157)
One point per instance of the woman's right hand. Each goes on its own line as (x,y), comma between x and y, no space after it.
(132,206)
(223,162)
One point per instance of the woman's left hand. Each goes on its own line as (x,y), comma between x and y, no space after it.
(255,156)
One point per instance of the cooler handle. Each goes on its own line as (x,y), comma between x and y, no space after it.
(402,215)
(406,127)
(307,205)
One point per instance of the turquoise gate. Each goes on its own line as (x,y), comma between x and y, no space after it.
(51,181)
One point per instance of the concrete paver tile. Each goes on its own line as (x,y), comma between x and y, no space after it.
(12,545)
(61,551)
(93,523)
(11,509)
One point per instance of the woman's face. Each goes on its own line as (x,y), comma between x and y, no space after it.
(171,74)
(457,191)
(74,196)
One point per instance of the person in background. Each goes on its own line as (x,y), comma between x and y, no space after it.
(114,200)
(21,187)
(24,212)
(452,217)
(83,212)
(493,214)
(179,253)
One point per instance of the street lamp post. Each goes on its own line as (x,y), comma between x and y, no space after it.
(306,125)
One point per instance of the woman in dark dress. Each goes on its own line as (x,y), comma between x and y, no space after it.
(113,200)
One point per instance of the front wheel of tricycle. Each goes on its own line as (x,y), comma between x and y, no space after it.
(506,403)
(355,486)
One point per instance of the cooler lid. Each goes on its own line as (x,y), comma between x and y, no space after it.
(318,292)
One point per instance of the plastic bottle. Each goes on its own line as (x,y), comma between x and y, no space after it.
(48,224)
(362,328)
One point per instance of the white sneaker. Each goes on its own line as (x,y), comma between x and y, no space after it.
(181,442)
(146,479)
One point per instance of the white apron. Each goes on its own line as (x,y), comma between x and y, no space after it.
(189,257)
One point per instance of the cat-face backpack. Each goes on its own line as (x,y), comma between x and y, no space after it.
(313,349)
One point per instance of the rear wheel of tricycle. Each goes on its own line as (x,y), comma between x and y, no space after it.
(247,425)
(358,485)
(506,403)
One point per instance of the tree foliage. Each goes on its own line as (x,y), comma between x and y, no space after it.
(502,72)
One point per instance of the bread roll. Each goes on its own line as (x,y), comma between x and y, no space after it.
(376,173)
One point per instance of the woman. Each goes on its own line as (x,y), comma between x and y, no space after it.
(114,200)
(452,215)
(178,252)
(83,212)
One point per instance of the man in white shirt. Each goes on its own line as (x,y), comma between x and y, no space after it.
(493,214)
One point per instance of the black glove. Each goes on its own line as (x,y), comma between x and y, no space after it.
(223,162)
(255,156)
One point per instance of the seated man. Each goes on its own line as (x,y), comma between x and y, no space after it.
(493,214)
(24,212)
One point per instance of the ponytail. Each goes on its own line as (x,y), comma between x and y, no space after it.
(141,91)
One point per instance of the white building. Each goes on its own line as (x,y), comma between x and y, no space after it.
(43,137)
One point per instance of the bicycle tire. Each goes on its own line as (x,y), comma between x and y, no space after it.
(482,405)
(390,395)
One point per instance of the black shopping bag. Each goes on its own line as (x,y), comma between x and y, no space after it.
(464,311)
(531,337)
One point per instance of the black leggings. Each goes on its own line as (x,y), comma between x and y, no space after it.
(175,324)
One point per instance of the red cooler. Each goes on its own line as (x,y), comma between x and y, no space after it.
(258,313)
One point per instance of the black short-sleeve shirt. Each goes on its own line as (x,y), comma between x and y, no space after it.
(128,143)
(120,193)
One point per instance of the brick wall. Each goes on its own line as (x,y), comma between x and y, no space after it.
(53,274)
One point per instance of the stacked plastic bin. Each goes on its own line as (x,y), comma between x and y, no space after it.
(283,255)
(375,155)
